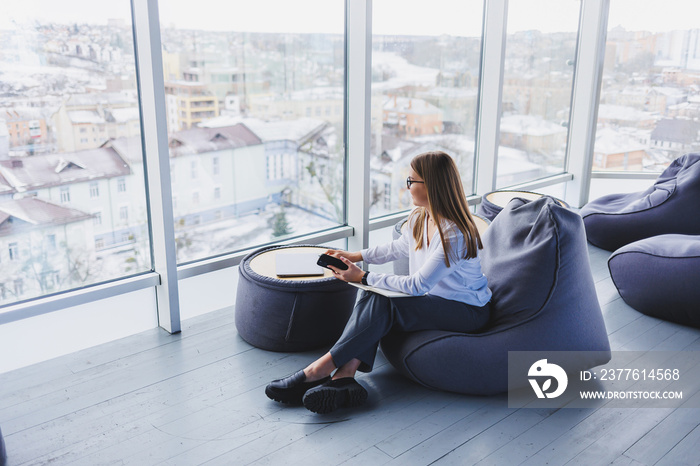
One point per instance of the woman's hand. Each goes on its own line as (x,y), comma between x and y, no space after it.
(353,273)
(351,256)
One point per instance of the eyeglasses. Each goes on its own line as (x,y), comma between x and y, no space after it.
(409,182)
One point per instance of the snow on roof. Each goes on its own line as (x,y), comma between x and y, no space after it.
(530,125)
(267,131)
(64,164)
(104,98)
(644,90)
(124,115)
(671,91)
(202,140)
(620,112)
(319,93)
(513,161)
(289,130)
(128,149)
(452,92)
(38,171)
(39,212)
(314,93)
(85,116)
(5,186)
(405,74)
(410,105)
(190,141)
(610,141)
(183,83)
(21,113)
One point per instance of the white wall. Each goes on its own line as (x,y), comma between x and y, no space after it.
(48,336)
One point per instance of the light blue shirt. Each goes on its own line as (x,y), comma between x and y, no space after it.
(462,281)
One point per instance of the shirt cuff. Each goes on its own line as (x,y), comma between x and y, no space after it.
(363,253)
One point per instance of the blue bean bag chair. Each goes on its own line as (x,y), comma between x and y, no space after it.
(669,206)
(493,203)
(660,277)
(536,259)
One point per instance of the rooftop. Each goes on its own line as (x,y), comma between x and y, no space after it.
(38,171)
(282,130)
(39,212)
(203,140)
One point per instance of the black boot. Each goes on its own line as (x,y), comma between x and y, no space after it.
(291,389)
(345,392)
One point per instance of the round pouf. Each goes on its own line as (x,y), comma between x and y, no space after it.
(659,277)
(494,202)
(289,314)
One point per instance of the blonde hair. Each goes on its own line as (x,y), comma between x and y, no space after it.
(446,200)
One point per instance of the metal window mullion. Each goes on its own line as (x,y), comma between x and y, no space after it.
(492,60)
(584,107)
(358,114)
(73,298)
(149,66)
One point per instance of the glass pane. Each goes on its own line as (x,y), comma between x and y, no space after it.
(537,85)
(649,104)
(72,193)
(255,107)
(425,82)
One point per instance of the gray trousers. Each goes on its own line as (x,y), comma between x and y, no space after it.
(375,315)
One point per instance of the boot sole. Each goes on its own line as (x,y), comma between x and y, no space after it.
(324,400)
(271,394)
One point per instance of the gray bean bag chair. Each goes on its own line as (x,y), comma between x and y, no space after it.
(290,315)
(536,259)
(493,203)
(669,206)
(660,277)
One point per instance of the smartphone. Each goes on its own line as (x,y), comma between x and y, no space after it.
(325,260)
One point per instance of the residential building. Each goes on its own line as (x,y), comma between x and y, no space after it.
(324,103)
(615,150)
(44,248)
(532,134)
(411,116)
(676,135)
(189,103)
(27,129)
(86,121)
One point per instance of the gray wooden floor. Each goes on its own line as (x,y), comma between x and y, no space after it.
(197,398)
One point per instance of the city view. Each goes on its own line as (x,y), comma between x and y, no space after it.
(256,132)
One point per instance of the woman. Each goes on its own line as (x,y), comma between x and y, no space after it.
(449,290)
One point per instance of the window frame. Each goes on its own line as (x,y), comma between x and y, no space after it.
(165,271)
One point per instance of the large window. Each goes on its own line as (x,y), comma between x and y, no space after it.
(256,107)
(425,82)
(537,84)
(68,98)
(650,103)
